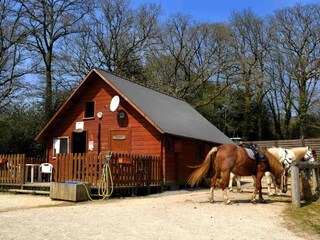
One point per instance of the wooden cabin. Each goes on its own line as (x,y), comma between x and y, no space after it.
(110,113)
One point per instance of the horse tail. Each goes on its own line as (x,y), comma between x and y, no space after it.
(201,171)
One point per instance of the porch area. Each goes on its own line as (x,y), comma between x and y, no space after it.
(131,174)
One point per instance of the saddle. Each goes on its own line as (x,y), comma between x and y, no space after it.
(254,152)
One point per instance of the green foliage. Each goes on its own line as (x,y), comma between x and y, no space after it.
(19,126)
(226,112)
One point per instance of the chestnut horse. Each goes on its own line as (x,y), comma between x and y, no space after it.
(284,156)
(229,158)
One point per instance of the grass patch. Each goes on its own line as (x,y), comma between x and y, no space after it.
(304,220)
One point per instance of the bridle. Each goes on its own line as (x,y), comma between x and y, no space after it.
(287,161)
(309,156)
(284,184)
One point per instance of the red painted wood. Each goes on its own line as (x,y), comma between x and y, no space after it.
(142,137)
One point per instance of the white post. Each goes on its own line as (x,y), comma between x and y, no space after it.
(315,179)
(32,173)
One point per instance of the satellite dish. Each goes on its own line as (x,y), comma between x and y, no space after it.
(114,103)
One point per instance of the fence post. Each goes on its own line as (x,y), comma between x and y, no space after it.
(295,184)
(315,179)
(23,170)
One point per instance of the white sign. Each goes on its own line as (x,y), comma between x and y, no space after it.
(91,144)
(80,125)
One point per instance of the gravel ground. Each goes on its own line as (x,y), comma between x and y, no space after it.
(184,214)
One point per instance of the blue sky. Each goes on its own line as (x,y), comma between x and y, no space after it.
(220,10)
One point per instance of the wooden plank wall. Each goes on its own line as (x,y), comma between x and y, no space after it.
(313,143)
(127,170)
(143,138)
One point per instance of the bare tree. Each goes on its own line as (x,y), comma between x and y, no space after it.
(298,37)
(121,35)
(190,58)
(116,39)
(279,96)
(251,40)
(49,22)
(12,36)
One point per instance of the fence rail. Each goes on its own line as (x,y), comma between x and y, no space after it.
(13,167)
(313,143)
(127,170)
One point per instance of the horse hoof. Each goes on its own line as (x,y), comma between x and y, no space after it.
(254,201)
(240,191)
(211,200)
(228,202)
(230,190)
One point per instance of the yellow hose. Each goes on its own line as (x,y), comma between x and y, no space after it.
(105,189)
(106,182)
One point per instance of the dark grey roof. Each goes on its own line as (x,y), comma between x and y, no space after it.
(170,114)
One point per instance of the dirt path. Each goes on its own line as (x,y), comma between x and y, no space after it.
(169,215)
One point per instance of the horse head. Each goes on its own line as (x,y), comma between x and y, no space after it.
(310,155)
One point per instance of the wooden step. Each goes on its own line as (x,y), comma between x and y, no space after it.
(29,191)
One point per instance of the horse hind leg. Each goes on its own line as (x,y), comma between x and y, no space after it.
(232,178)
(225,179)
(213,184)
(258,188)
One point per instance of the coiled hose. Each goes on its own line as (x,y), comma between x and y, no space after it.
(105,189)
(106,182)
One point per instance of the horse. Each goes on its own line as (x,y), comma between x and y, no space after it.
(284,156)
(229,158)
(304,154)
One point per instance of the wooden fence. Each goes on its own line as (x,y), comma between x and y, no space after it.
(313,143)
(296,167)
(127,170)
(12,167)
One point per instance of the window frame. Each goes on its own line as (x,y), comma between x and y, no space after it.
(57,145)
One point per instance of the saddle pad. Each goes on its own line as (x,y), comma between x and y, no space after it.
(250,153)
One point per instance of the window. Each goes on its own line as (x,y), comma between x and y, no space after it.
(60,145)
(89,110)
